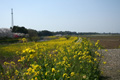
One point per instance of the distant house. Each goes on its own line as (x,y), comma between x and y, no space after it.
(16,35)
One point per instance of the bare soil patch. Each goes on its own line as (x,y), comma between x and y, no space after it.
(108,42)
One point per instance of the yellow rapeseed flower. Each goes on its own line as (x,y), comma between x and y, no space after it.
(50,55)
(80,58)
(12,76)
(53,69)
(31,56)
(32,79)
(16,72)
(65,75)
(58,70)
(74,56)
(6,63)
(46,73)
(46,65)
(54,60)
(102,56)
(36,78)
(22,59)
(80,53)
(40,67)
(24,39)
(12,62)
(90,61)
(106,50)
(33,70)
(29,69)
(72,74)
(36,73)
(104,62)
(95,59)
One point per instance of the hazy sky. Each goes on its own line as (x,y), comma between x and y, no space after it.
(62,15)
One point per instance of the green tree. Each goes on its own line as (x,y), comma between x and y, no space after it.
(18,29)
(33,35)
(45,33)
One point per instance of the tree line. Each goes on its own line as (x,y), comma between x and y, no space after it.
(35,33)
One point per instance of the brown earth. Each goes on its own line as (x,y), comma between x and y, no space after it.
(107,42)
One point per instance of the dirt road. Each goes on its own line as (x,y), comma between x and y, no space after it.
(111,70)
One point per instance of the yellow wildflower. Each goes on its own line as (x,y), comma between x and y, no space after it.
(90,61)
(80,53)
(33,70)
(36,78)
(50,55)
(64,58)
(96,44)
(31,56)
(58,70)
(6,63)
(32,79)
(99,48)
(46,73)
(79,58)
(24,39)
(95,59)
(106,50)
(65,74)
(53,69)
(74,56)
(104,62)
(40,67)
(54,60)
(46,65)
(12,62)
(22,59)
(72,74)
(29,69)
(102,56)
(12,76)
(16,72)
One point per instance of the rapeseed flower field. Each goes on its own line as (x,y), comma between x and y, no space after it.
(58,59)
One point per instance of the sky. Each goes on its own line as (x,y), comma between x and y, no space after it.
(62,15)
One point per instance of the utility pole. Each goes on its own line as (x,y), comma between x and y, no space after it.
(12,22)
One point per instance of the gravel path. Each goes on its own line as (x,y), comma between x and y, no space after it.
(111,70)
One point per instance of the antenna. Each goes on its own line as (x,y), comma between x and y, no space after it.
(12,22)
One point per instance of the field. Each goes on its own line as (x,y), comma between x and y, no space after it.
(107,42)
(59,59)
